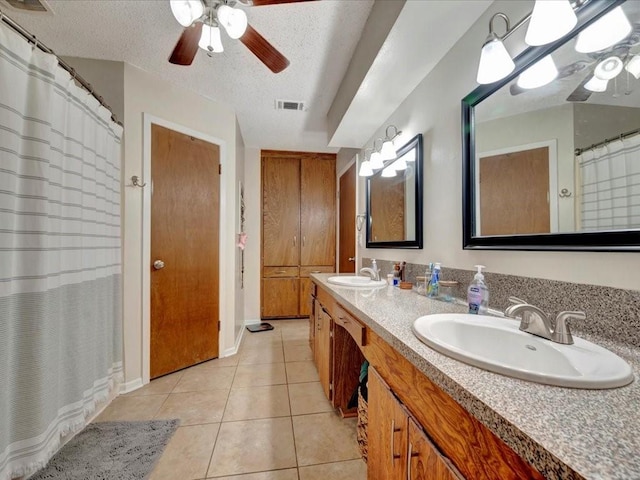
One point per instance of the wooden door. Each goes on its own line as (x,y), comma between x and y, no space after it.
(185,219)
(387,208)
(318,211)
(386,432)
(425,461)
(514,193)
(347,242)
(280,211)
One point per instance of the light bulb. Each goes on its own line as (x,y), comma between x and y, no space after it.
(365,169)
(607,31)
(550,20)
(495,61)
(211,38)
(389,171)
(233,20)
(186,11)
(596,84)
(376,160)
(608,68)
(633,66)
(540,73)
(388,151)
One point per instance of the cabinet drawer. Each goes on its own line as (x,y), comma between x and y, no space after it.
(305,271)
(351,325)
(277,272)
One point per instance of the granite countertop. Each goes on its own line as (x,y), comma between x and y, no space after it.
(565,433)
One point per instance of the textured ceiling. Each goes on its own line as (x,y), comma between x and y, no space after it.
(318,38)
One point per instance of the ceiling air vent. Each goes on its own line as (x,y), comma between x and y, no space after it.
(289,105)
(31,6)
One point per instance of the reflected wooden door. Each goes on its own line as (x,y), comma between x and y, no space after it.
(514,193)
(347,214)
(185,221)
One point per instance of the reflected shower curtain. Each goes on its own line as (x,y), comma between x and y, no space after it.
(60,267)
(610,186)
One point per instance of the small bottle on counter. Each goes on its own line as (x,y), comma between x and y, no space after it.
(433,288)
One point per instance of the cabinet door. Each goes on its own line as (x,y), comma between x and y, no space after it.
(386,432)
(318,212)
(424,461)
(305,296)
(323,351)
(280,297)
(280,211)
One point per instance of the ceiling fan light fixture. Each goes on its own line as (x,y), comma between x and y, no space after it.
(550,20)
(210,39)
(233,20)
(596,84)
(495,61)
(539,74)
(605,32)
(608,68)
(365,169)
(186,11)
(633,66)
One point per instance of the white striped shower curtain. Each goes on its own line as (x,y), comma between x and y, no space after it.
(60,255)
(610,186)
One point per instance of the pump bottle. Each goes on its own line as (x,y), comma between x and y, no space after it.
(478,293)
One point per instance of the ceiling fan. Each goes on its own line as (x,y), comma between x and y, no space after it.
(203,20)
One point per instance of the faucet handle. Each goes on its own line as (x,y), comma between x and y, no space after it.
(561,332)
(516,300)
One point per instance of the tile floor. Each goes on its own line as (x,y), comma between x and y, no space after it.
(259,415)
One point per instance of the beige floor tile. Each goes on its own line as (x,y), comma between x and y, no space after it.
(299,372)
(255,354)
(229,361)
(259,375)
(201,378)
(349,470)
(194,408)
(257,402)
(124,408)
(288,474)
(298,353)
(264,338)
(253,446)
(158,386)
(295,334)
(324,438)
(308,398)
(187,455)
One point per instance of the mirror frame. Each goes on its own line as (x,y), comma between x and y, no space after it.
(622,240)
(414,144)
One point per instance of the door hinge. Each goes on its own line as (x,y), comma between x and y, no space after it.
(331,387)
(218,325)
(219,169)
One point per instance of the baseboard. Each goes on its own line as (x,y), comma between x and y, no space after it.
(131,386)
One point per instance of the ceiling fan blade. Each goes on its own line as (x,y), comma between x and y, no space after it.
(187,46)
(580,94)
(261,48)
(260,3)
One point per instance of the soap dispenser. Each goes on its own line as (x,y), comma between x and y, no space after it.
(478,293)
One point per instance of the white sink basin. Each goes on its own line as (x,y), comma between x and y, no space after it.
(497,345)
(356,281)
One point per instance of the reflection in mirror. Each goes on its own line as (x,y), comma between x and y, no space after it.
(558,166)
(394,200)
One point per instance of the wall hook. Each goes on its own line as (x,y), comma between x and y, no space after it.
(135,180)
(564,193)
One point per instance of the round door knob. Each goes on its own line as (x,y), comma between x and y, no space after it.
(352,259)
(158,264)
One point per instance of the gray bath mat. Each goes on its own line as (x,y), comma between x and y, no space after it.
(110,451)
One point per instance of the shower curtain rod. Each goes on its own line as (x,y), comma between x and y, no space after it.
(578,151)
(37,43)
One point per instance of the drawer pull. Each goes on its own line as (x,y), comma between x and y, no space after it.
(410,454)
(394,430)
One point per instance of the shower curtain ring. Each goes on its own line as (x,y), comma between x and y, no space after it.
(135,180)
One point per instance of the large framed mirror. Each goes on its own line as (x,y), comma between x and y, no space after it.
(558,167)
(394,200)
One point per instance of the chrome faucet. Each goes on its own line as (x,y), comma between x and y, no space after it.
(373,272)
(537,322)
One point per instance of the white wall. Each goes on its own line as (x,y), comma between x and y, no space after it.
(144,93)
(433,109)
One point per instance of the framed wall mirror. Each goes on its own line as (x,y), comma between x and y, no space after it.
(558,167)
(394,200)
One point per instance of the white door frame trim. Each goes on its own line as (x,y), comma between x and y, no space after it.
(148,120)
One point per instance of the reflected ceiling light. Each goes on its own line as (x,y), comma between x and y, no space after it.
(210,39)
(607,31)
(538,74)
(550,20)
(186,11)
(633,66)
(388,150)
(389,171)
(410,156)
(233,20)
(596,84)
(608,68)
(399,165)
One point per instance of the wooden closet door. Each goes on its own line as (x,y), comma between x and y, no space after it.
(318,211)
(280,211)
